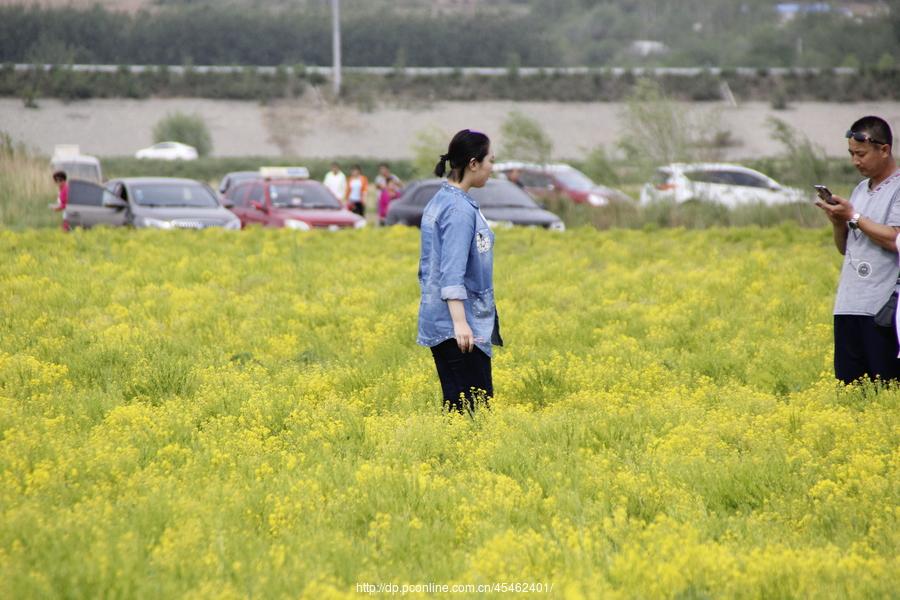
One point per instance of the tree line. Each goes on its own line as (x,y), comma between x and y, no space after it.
(229,35)
(726,33)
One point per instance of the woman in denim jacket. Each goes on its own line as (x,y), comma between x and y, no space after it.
(457,316)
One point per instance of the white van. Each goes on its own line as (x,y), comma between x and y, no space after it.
(68,158)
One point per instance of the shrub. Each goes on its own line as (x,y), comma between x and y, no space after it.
(779,99)
(598,166)
(524,139)
(657,130)
(26,187)
(427,147)
(886,62)
(806,161)
(184,128)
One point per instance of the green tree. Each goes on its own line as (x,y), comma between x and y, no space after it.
(806,162)
(887,61)
(524,139)
(598,165)
(656,129)
(428,145)
(184,128)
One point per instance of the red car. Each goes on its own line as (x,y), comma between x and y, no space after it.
(284,198)
(543,181)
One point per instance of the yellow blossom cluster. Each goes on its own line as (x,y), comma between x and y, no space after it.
(209,415)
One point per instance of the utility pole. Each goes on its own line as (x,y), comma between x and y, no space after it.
(336,46)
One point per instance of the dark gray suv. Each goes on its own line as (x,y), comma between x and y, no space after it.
(155,202)
(502,203)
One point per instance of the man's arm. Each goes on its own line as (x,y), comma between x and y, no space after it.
(840,232)
(838,223)
(883,235)
(839,214)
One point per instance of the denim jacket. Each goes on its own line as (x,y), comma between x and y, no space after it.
(456,263)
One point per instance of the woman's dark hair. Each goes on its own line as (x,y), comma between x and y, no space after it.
(464,146)
(59,176)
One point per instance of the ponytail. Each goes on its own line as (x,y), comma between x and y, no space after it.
(441,166)
(465,146)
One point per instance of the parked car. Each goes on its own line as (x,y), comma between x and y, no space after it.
(235,177)
(152,202)
(68,158)
(168,151)
(727,184)
(544,181)
(286,197)
(502,203)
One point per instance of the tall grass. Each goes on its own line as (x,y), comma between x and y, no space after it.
(690,215)
(26,188)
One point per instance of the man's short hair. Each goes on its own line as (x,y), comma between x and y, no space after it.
(877,129)
(60,176)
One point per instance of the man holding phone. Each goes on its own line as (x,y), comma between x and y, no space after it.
(865,229)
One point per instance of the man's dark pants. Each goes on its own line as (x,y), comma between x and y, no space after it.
(863,348)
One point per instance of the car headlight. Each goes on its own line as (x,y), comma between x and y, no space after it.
(597,200)
(157,223)
(557,226)
(297,224)
(233,225)
(359,224)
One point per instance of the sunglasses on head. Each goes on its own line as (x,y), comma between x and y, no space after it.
(859,136)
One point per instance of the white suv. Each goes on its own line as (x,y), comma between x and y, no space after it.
(730,185)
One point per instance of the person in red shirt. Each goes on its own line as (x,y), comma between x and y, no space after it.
(389,193)
(62,181)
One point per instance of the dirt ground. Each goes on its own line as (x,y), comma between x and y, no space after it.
(311,127)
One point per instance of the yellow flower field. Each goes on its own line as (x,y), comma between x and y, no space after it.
(228,415)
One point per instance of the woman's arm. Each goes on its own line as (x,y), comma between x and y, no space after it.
(456,229)
(461,330)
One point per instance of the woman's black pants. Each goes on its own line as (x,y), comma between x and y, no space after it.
(465,376)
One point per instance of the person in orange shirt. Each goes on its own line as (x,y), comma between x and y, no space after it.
(357,188)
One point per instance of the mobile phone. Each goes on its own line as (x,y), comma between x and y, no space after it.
(824,194)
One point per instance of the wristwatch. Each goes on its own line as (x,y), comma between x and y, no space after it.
(853,223)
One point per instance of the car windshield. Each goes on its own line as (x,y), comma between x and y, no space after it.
(575,180)
(302,194)
(173,194)
(499,193)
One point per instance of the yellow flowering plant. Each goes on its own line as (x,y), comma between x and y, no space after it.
(209,414)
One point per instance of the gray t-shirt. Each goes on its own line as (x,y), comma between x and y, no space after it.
(869,274)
